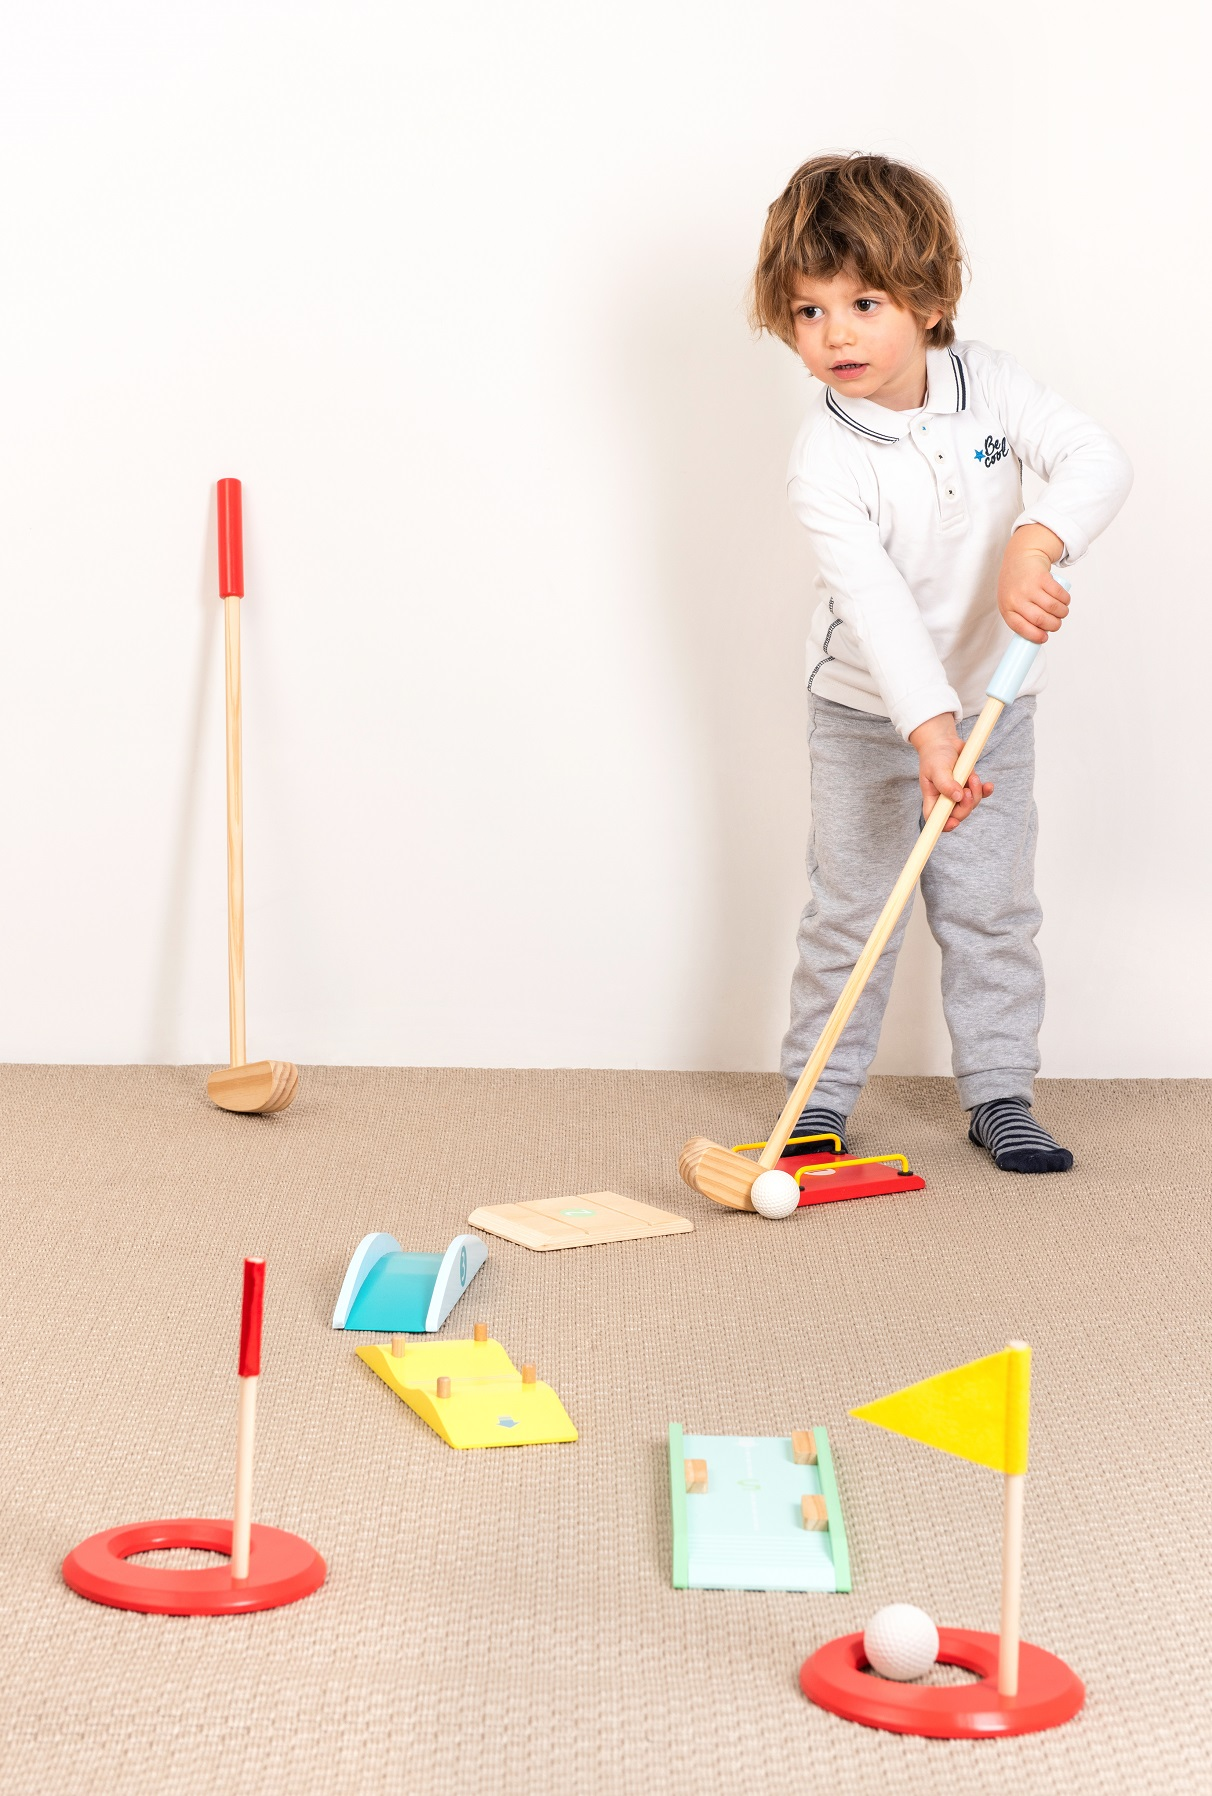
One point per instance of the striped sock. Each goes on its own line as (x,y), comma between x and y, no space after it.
(1007,1128)
(816,1120)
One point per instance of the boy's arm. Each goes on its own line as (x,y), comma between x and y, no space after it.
(1088,478)
(1087,472)
(879,608)
(875,602)
(1030,600)
(939,747)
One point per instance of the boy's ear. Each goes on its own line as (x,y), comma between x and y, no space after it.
(928,324)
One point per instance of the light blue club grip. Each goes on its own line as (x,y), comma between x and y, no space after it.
(1013,669)
(1016,663)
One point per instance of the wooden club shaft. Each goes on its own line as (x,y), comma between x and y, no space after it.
(235,832)
(878,940)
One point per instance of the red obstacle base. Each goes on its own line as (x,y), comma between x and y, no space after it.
(824,1185)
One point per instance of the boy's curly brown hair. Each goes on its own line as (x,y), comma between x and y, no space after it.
(887,224)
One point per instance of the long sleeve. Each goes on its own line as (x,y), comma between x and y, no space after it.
(870,596)
(1087,472)
(909,514)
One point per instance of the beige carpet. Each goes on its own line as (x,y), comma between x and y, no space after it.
(504,1621)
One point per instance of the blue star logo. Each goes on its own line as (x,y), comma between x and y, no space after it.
(980,455)
(506,1422)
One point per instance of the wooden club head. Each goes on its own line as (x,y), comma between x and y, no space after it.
(717,1173)
(258,1088)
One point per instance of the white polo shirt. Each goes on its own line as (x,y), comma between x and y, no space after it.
(910,513)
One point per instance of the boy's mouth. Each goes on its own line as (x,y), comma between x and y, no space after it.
(848,370)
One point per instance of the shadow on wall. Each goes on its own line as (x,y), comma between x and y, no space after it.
(711,413)
(712,417)
(168,990)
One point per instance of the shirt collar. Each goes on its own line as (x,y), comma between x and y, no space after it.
(946,391)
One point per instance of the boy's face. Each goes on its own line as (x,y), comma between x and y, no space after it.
(858,341)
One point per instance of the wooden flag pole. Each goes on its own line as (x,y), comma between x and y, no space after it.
(1012,1585)
(246,1415)
(1017,1401)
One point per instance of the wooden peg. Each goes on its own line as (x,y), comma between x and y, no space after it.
(444,1391)
(480,1331)
(816,1516)
(398,1344)
(529,1372)
(803,1446)
(696,1477)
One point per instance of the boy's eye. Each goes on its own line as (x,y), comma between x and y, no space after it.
(866,305)
(806,311)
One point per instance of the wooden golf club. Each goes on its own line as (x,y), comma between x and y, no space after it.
(264,1085)
(727,1178)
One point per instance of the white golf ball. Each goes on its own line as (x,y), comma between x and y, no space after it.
(775,1194)
(900,1642)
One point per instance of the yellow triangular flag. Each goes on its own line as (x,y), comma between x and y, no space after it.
(978,1411)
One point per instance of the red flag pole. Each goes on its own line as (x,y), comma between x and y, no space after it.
(246,1414)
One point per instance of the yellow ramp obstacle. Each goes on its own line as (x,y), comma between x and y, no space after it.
(471,1393)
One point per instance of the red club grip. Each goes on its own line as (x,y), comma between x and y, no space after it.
(231,540)
(250,1314)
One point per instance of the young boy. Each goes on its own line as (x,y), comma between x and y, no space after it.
(907,474)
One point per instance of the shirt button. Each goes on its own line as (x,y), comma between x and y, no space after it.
(939,456)
(951,492)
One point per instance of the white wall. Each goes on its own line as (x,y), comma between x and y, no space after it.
(458,293)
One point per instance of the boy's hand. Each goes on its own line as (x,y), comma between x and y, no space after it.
(1029,599)
(938,749)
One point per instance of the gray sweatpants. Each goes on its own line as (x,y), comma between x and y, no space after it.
(978,891)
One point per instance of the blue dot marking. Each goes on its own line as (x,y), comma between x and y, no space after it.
(506,1422)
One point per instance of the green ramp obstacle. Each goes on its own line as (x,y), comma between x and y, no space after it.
(739,1510)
